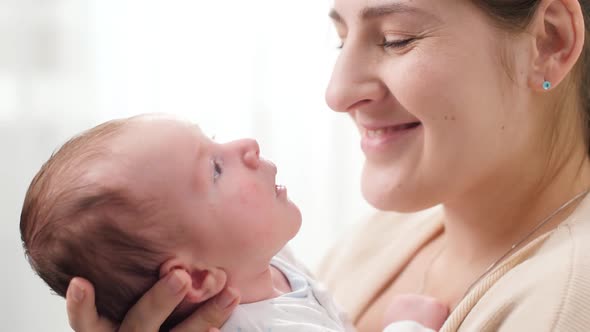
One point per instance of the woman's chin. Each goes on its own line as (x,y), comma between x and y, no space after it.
(392,198)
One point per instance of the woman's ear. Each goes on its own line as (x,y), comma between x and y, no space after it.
(207,281)
(558,31)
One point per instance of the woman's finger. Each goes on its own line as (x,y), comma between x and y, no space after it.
(82,313)
(212,314)
(157,304)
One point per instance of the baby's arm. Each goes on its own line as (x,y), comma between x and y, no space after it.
(414,313)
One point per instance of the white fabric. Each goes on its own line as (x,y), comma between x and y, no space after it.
(306,308)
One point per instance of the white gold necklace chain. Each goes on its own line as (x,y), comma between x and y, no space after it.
(525,238)
(507,253)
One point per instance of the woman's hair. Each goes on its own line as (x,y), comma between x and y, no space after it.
(516,15)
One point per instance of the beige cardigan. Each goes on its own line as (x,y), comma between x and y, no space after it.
(544,286)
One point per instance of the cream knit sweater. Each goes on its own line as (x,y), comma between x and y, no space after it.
(544,286)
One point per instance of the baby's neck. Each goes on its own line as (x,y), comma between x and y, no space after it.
(260,285)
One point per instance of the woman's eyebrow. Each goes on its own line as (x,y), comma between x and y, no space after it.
(387,9)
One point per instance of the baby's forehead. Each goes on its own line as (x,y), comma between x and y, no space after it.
(151,129)
(164,120)
(150,144)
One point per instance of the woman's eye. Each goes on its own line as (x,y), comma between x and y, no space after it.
(216,169)
(396,43)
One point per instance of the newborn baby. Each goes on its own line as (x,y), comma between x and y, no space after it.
(130,200)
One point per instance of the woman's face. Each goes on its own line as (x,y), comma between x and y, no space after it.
(436,108)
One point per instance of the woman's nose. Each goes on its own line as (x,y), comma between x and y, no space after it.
(250,151)
(355,80)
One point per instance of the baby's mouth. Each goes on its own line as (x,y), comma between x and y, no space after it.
(279,189)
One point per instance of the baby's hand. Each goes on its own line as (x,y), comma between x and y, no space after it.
(427,311)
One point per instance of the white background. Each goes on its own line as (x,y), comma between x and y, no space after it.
(238,68)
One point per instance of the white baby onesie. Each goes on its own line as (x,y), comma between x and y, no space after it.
(308,307)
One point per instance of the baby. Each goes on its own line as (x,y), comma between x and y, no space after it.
(130,200)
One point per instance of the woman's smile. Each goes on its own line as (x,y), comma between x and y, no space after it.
(375,140)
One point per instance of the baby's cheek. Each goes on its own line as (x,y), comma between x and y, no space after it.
(256,203)
(250,195)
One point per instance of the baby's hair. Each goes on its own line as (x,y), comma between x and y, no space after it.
(72,225)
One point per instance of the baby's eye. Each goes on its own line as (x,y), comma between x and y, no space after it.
(216,169)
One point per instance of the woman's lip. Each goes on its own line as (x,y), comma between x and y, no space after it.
(394,126)
(375,140)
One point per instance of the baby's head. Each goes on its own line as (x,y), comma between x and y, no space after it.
(130,200)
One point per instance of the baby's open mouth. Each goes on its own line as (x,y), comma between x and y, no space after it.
(279,188)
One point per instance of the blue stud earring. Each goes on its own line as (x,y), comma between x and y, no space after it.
(546,85)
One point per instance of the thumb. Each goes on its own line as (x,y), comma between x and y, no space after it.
(212,314)
(81,310)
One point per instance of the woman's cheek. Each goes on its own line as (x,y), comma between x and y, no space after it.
(425,98)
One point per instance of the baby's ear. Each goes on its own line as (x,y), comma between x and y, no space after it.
(207,281)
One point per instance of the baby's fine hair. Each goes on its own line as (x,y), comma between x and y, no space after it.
(73,225)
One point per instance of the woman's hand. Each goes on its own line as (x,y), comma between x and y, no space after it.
(151,310)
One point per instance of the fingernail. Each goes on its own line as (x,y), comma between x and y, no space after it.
(226,298)
(175,283)
(77,293)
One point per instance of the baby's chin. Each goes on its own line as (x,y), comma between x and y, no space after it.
(293,221)
(294,226)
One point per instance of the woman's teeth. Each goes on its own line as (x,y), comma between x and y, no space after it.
(375,133)
(372,133)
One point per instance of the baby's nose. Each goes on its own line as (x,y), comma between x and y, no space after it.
(251,153)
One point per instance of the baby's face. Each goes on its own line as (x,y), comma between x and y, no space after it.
(222,198)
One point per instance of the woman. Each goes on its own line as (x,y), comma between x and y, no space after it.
(479,107)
